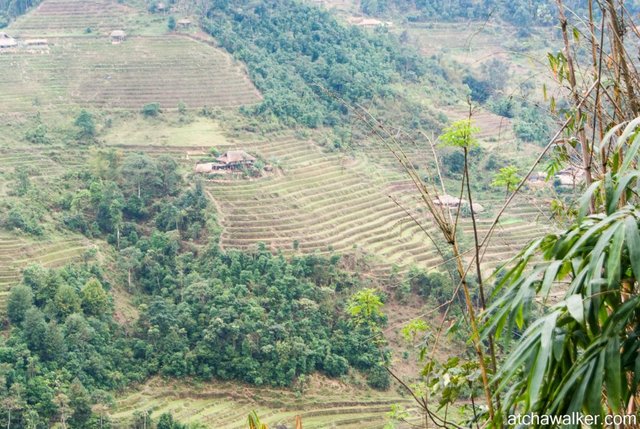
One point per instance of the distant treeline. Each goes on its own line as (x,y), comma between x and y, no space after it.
(302,59)
(517,12)
(12,8)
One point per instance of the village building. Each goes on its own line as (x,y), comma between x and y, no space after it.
(569,177)
(161,7)
(368,22)
(231,160)
(7,41)
(117,36)
(236,159)
(184,23)
(452,202)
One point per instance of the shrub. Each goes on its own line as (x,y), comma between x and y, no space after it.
(378,378)
(151,109)
(37,135)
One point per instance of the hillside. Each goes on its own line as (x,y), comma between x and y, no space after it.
(198,296)
(84,69)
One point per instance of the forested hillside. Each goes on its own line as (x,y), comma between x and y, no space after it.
(308,65)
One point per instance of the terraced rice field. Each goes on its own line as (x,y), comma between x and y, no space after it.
(58,17)
(328,202)
(93,72)
(227,407)
(17,252)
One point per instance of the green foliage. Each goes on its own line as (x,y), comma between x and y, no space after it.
(95,300)
(578,352)
(20,300)
(532,126)
(460,134)
(365,306)
(520,13)
(302,59)
(413,328)
(23,182)
(171,23)
(86,124)
(24,218)
(150,110)
(507,178)
(14,8)
(378,378)
(38,135)
(66,301)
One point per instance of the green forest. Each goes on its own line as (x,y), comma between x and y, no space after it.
(309,66)
(253,317)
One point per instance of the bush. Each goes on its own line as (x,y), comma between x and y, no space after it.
(378,378)
(151,110)
(25,220)
(37,135)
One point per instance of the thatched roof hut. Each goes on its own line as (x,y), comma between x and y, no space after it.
(447,200)
(236,157)
(184,22)
(208,167)
(117,36)
(7,41)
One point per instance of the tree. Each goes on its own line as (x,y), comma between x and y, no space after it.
(171,23)
(80,403)
(14,401)
(507,178)
(87,125)
(365,305)
(141,175)
(580,353)
(34,329)
(66,301)
(168,172)
(95,300)
(20,300)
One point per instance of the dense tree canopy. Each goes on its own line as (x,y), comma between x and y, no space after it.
(302,58)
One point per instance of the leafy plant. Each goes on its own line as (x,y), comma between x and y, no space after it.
(579,349)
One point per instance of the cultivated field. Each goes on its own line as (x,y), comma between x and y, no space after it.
(226,406)
(150,69)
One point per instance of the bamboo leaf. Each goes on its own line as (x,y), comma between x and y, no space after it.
(613,374)
(544,353)
(575,308)
(633,243)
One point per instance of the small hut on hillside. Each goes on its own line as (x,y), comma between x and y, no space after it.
(231,160)
(7,41)
(117,36)
(184,23)
(236,159)
(452,202)
(447,200)
(161,7)
(569,177)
